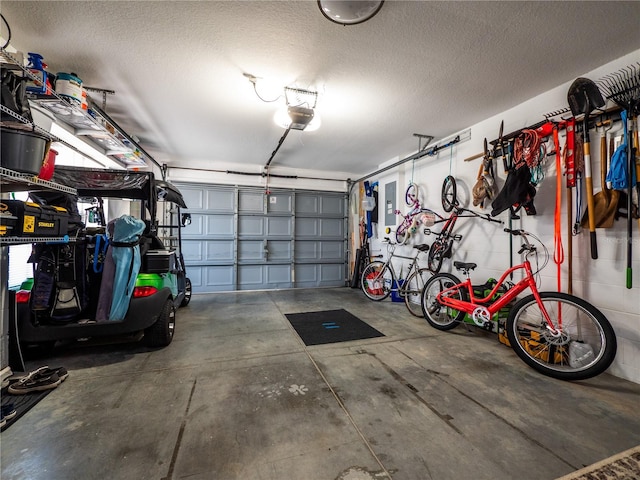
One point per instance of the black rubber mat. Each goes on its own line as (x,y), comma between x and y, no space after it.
(330,326)
(21,403)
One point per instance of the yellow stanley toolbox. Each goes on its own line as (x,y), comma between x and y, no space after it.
(27,219)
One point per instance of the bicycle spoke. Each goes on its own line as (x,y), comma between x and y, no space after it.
(437,315)
(579,344)
(412,291)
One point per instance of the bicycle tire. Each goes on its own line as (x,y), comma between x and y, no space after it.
(413,291)
(586,348)
(411,195)
(449,193)
(435,256)
(376,281)
(402,234)
(437,315)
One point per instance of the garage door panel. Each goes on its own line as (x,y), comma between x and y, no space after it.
(250,277)
(280,203)
(324,227)
(219,251)
(306,275)
(330,274)
(279,275)
(196,227)
(193,196)
(332,205)
(255,277)
(332,250)
(279,250)
(258,226)
(242,239)
(320,205)
(279,226)
(251,250)
(220,225)
(307,204)
(307,227)
(319,275)
(309,250)
(195,275)
(264,251)
(250,202)
(251,226)
(219,278)
(219,201)
(192,251)
(332,227)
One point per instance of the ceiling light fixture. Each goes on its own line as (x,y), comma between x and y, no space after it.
(349,12)
(299,113)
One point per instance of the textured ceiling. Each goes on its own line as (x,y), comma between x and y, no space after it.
(417,67)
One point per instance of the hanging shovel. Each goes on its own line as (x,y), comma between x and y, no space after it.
(583,97)
(605,201)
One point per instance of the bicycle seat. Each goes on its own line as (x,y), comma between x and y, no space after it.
(423,248)
(464,266)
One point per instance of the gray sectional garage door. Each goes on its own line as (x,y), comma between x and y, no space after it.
(243,239)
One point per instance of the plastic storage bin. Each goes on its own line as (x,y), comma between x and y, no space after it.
(22,151)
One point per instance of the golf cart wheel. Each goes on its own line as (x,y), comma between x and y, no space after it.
(160,333)
(187,293)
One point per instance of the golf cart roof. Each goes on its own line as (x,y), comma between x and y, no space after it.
(117,184)
(106,183)
(168,192)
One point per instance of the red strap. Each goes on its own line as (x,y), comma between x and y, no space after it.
(558,252)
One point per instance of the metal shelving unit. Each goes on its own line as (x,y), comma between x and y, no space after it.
(92,125)
(12,181)
(16,181)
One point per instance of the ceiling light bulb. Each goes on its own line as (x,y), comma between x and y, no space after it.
(349,12)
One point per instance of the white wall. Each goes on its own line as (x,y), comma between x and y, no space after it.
(601,281)
(281,177)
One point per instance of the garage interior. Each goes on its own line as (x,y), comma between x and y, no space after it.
(418,92)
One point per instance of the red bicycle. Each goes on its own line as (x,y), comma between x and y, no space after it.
(442,246)
(555,333)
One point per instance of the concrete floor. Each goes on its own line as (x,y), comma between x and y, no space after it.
(237,395)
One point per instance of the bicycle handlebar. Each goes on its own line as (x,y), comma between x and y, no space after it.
(527,246)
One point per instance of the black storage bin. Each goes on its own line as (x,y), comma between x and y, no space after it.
(32,220)
(159,261)
(22,151)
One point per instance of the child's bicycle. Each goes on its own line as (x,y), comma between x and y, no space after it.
(555,333)
(410,221)
(378,279)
